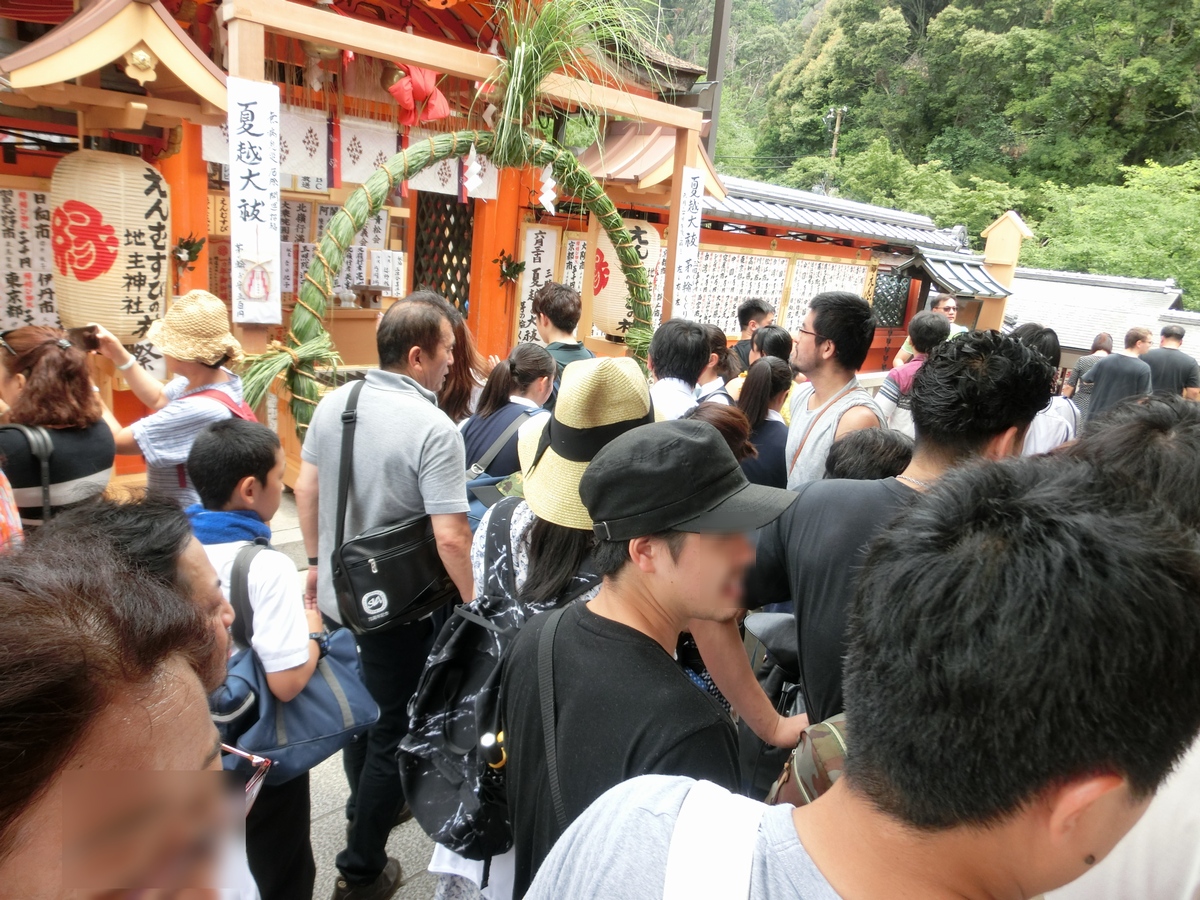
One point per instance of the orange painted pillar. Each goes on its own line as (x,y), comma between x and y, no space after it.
(492,316)
(187,175)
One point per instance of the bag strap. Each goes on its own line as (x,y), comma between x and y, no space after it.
(239,591)
(712,824)
(41,446)
(549,731)
(346,462)
(479,467)
(238,408)
(499,535)
(817,418)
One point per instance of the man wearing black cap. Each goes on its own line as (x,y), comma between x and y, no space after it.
(670,509)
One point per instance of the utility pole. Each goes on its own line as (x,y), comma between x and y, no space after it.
(717,48)
(837,128)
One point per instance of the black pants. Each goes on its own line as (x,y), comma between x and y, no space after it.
(277,841)
(392,662)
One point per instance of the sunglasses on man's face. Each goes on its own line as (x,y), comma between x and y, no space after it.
(261,766)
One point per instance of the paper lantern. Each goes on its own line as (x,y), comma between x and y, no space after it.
(109,230)
(610,290)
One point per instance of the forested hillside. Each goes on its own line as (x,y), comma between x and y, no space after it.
(1080,114)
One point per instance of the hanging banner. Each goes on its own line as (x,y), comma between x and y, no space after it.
(304,144)
(254,201)
(26,257)
(685,233)
(541,253)
(374,233)
(366,145)
(813,276)
(443,177)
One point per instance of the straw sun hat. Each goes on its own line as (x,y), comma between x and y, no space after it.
(195,328)
(598,400)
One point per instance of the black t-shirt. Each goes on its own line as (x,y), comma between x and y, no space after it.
(624,708)
(1171,370)
(1114,378)
(742,349)
(811,555)
(80,467)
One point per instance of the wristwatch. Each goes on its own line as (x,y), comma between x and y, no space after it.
(322,639)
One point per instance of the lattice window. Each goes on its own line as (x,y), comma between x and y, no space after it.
(891,300)
(442,255)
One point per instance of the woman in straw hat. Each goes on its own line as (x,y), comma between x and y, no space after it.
(194,337)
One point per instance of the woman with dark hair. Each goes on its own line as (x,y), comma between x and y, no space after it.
(770,340)
(731,422)
(105,731)
(468,373)
(1058,423)
(46,382)
(1077,390)
(515,390)
(762,398)
(722,365)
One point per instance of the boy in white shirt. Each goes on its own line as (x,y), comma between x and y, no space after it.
(237,468)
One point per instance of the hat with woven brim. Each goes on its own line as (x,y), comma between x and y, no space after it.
(196,329)
(598,400)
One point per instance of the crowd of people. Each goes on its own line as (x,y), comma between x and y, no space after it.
(991,570)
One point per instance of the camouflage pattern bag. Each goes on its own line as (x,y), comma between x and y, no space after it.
(815,764)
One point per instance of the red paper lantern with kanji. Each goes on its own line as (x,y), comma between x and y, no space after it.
(110,234)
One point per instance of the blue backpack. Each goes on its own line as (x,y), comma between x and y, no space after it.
(334,708)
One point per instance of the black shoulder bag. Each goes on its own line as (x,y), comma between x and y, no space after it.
(386,576)
(42,448)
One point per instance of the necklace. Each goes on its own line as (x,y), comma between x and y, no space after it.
(920,484)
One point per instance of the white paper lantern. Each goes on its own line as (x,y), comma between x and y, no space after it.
(109,230)
(610,290)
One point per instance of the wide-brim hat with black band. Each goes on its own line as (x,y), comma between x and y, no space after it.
(674,476)
(598,400)
(196,329)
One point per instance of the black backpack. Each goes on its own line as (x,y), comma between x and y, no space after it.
(453,792)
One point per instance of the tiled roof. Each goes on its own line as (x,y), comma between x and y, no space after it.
(1079,306)
(961,274)
(768,204)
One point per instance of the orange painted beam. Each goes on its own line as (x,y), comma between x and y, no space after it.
(492,316)
(187,175)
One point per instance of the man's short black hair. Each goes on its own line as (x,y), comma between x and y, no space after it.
(679,349)
(147,534)
(1173,332)
(415,321)
(1152,444)
(1007,632)
(870,454)
(226,452)
(610,557)
(847,320)
(754,310)
(560,304)
(975,387)
(928,329)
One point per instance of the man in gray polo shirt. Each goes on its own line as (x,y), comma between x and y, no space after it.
(408,462)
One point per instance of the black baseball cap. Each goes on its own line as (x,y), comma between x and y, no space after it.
(678,475)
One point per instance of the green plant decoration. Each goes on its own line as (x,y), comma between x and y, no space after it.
(510,269)
(587,39)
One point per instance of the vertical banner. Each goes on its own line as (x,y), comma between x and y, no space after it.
(541,254)
(254,201)
(685,229)
(574,261)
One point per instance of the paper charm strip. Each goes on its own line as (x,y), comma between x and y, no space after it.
(549,190)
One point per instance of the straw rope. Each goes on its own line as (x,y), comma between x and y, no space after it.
(308,343)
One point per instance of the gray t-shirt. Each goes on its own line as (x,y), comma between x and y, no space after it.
(821,426)
(618,848)
(408,462)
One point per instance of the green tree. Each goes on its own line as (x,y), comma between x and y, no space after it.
(1147,227)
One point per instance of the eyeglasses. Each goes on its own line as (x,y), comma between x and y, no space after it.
(816,336)
(948,308)
(261,766)
(5,344)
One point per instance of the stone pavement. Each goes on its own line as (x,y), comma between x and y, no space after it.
(328,783)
